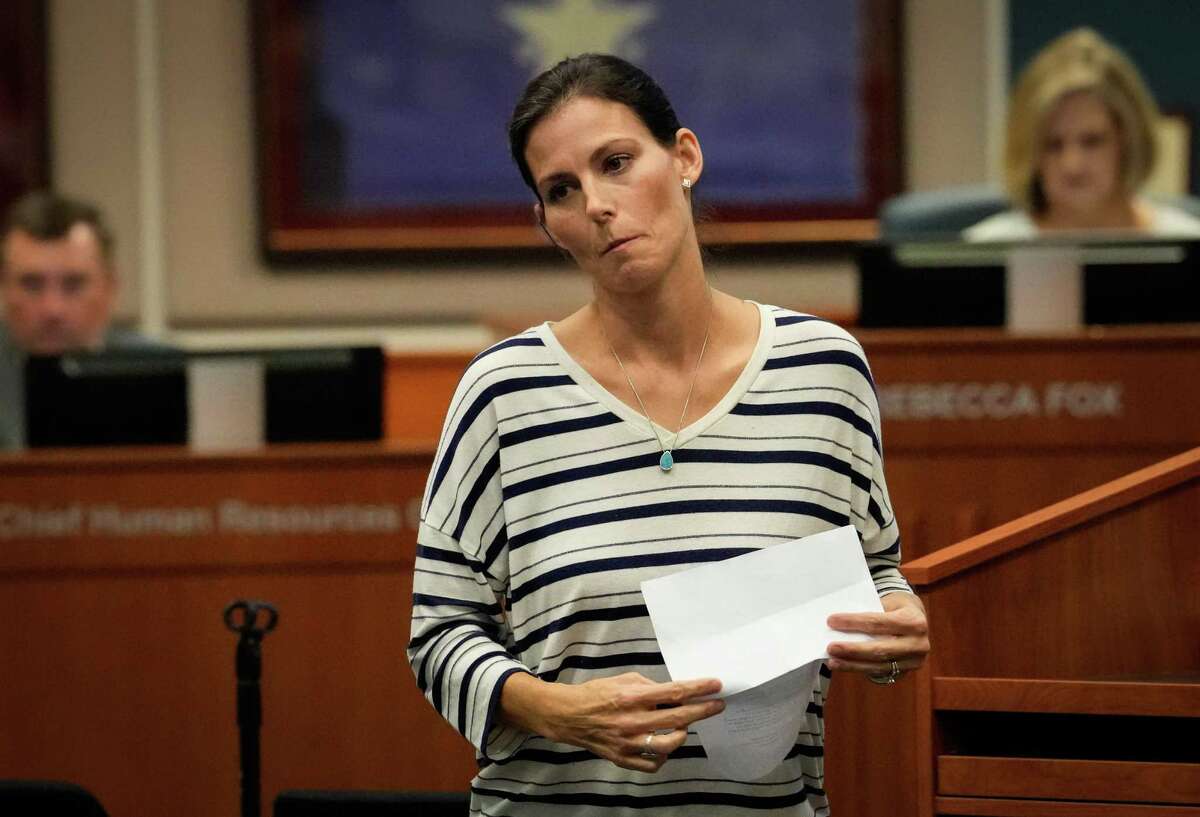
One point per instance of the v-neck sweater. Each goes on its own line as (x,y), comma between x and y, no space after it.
(546,509)
(640,424)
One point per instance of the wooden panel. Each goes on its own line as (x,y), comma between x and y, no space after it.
(1111,496)
(980,807)
(1103,389)
(1064,414)
(126,681)
(989,390)
(1112,599)
(928,743)
(981,427)
(943,497)
(871,776)
(1076,609)
(169,508)
(1082,697)
(1107,780)
(417,391)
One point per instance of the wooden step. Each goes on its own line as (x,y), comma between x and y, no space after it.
(993,807)
(1154,698)
(1113,780)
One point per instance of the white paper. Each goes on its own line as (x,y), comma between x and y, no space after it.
(759,726)
(757,623)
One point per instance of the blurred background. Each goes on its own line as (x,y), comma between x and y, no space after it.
(332,174)
(152,115)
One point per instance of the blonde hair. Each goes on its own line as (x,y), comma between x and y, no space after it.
(1078,61)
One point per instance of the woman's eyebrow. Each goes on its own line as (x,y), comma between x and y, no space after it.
(560,175)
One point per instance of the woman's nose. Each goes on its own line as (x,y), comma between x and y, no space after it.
(597,203)
(1074,158)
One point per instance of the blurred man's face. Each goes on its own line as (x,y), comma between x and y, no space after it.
(58,294)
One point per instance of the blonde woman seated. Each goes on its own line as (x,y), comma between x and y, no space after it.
(1080,144)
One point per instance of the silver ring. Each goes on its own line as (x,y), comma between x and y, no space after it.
(647,752)
(890,678)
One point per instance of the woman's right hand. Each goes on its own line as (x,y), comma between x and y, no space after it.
(611,717)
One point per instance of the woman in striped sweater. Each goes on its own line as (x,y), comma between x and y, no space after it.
(663,425)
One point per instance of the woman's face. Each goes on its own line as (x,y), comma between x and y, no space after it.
(1080,162)
(611,194)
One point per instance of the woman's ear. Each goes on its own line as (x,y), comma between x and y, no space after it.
(689,159)
(539,213)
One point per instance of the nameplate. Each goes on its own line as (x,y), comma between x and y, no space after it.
(1001,400)
(225,517)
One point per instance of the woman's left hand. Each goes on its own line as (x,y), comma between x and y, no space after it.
(900,643)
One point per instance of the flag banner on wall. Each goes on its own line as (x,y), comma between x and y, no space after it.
(400,107)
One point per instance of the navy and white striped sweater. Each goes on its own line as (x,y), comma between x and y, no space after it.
(546,509)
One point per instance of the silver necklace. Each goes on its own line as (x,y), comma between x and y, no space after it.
(667,461)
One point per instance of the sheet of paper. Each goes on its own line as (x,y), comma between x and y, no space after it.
(759,726)
(757,622)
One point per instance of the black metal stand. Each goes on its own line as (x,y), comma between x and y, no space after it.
(243,618)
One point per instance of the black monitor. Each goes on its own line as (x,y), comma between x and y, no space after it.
(321,395)
(913,284)
(139,397)
(111,398)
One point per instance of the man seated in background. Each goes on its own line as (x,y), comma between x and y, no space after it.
(58,286)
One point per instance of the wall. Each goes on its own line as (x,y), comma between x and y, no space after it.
(177,172)
(93,119)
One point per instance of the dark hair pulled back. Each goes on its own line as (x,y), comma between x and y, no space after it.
(601,76)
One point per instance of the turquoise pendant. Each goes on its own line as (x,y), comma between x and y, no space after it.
(666,461)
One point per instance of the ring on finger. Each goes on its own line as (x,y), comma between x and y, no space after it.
(648,752)
(890,678)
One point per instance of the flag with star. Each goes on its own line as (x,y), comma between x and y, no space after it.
(406,101)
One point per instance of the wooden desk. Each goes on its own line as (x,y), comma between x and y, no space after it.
(118,671)
(979,426)
(1077,691)
(1065,672)
(114,569)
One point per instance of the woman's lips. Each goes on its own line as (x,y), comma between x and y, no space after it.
(619,243)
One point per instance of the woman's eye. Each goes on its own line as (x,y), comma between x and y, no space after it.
(616,163)
(557,192)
